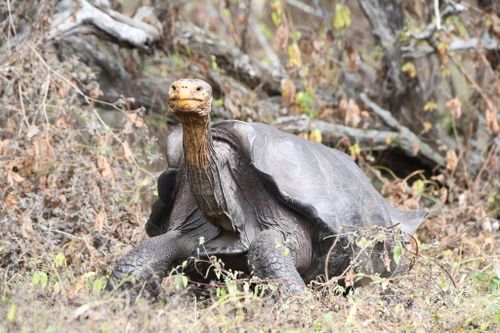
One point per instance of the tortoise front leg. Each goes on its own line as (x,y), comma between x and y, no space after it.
(147,265)
(268,258)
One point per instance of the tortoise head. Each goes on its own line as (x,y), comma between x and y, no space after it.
(190,96)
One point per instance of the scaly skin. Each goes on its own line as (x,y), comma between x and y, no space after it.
(148,264)
(269,259)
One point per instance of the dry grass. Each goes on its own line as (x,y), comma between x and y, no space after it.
(76,192)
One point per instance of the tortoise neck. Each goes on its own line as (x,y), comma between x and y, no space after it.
(204,171)
(197,141)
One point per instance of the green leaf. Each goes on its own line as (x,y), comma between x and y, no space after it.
(277,12)
(11,315)
(362,242)
(342,18)
(213,61)
(339,289)
(44,280)
(98,286)
(419,186)
(398,252)
(60,260)
(35,279)
(276,17)
(354,150)
(220,293)
(305,101)
(184,281)
(219,102)
(496,320)
(40,278)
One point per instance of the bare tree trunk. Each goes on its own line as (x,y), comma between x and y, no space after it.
(399,92)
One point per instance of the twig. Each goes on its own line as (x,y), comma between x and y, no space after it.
(305,8)
(23,109)
(327,257)
(415,254)
(450,10)
(443,269)
(11,21)
(457,44)
(44,109)
(437,15)
(485,164)
(475,85)
(404,132)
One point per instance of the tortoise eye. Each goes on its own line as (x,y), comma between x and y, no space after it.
(198,88)
(174,87)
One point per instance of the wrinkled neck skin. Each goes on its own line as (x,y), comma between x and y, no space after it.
(204,170)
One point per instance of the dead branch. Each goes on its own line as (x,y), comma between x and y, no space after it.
(486,42)
(191,39)
(376,140)
(404,133)
(378,20)
(305,8)
(80,16)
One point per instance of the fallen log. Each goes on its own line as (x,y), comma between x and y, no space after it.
(369,139)
(81,17)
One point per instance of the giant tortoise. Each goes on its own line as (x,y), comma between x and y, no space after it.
(267,202)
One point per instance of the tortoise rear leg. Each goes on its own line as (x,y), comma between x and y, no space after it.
(268,258)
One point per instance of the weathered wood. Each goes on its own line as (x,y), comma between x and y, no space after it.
(409,138)
(81,17)
(193,40)
(370,139)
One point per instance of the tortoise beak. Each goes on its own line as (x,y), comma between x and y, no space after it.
(184,105)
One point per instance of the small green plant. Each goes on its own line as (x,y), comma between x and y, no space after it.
(342,18)
(305,101)
(11,314)
(40,279)
(60,260)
